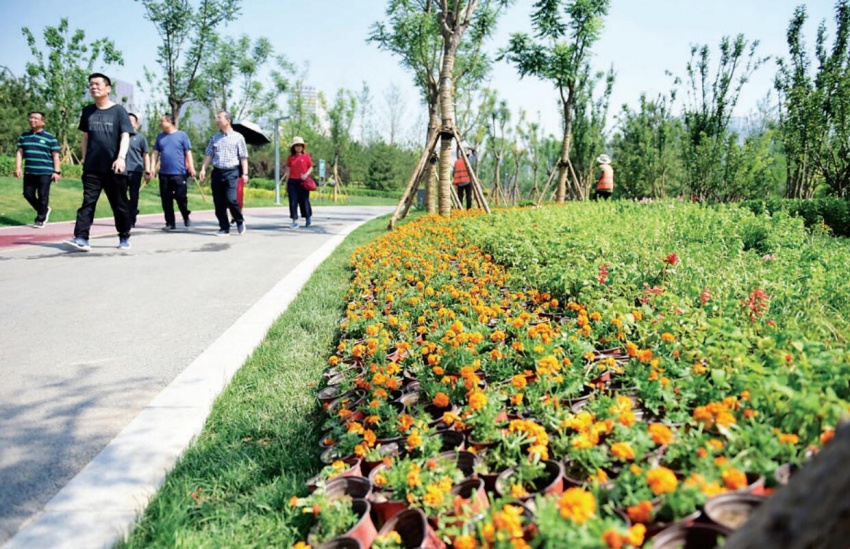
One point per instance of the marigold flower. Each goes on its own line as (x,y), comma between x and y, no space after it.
(827,435)
(405,422)
(517,491)
(577,505)
(623,451)
(734,479)
(661,480)
(516,400)
(465,542)
(355,428)
(438,370)
(637,535)
(441,400)
(450,417)
(519,381)
(293,501)
(788,439)
(660,434)
(668,337)
(477,400)
(612,539)
(302,545)
(640,513)
(369,437)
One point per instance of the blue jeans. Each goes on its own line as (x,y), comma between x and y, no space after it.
(224,197)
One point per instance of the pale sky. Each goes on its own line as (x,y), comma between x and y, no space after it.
(642,39)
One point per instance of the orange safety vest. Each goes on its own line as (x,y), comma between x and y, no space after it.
(606,181)
(461,174)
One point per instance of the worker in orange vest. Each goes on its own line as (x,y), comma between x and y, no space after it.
(605,185)
(462,180)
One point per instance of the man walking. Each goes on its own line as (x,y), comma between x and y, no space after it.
(226,151)
(174,151)
(39,151)
(106,131)
(138,164)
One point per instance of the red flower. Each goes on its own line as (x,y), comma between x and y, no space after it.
(671,259)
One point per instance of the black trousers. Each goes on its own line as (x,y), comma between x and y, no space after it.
(224,197)
(603,195)
(134,184)
(465,190)
(115,187)
(37,193)
(299,198)
(173,188)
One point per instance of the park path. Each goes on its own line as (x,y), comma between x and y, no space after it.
(137,343)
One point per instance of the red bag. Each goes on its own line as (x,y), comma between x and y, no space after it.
(309,184)
(240,191)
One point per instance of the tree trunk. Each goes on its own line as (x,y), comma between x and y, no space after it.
(447,114)
(429,180)
(566,144)
(175,111)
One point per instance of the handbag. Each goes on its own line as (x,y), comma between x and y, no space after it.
(309,184)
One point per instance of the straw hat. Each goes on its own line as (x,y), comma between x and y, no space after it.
(604,159)
(298,141)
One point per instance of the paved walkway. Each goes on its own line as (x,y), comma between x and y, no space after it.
(111,360)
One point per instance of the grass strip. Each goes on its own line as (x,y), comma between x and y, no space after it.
(232,487)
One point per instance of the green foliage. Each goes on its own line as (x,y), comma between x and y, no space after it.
(16,101)
(832,213)
(7,166)
(815,115)
(590,118)
(188,35)
(380,175)
(711,153)
(58,77)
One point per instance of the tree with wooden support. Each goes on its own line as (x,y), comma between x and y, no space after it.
(558,60)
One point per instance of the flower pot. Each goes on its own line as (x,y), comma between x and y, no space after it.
(364,530)
(784,473)
(732,510)
(354,487)
(391,449)
(342,542)
(414,530)
(353,470)
(332,454)
(331,393)
(692,536)
(471,492)
(409,399)
(550,484)
(451,440)
(436,414)
(465,461)
(386,508)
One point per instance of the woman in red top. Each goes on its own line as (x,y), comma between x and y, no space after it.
(298,167)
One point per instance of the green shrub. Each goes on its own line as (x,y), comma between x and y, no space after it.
(832,212)
(7,166)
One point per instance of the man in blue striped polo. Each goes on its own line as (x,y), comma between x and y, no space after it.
(39,152)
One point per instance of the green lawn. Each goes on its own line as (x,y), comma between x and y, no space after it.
(65,198)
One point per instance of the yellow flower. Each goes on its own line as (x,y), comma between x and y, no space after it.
(734,479)
(788,439)
(477,400)
(623,451)
(660,434)
(414,440)
(636,535)
(577,505)
(668,337)
(465,542)
(302,545)
(661,480)
(519,381)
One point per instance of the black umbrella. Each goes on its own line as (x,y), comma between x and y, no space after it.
(253,134)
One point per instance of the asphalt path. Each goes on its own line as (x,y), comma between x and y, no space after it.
(88,339)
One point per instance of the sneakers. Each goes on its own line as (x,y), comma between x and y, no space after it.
(38,225)
(223,233)
(46,217)
(78,244)
(169,228)
(187,222)
(124,244)
(294,224)
(232,222)
(308,223)
(241,228)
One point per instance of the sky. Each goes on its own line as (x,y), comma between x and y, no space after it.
(642,40)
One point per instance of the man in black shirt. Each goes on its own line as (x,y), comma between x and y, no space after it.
(106,131)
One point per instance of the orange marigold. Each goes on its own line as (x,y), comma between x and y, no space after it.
(640,513)
(734,479)
(661,480)
(622,450)
(441,400)
(477,400)
(465,542)
(577,505)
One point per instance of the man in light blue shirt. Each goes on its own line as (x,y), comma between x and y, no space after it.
(174,151)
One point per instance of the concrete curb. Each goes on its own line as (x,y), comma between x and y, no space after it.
(99,506)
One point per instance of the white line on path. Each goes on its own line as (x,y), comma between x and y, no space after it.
(98,507)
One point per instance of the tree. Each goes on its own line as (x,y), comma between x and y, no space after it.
(60,78)
(414,32)
(364,115)
(710,150)
(646,147)
(341,116)
(188,35)
(815,109)
(590,116)
(16,101)
(561,62)
(395,112)
(231,79)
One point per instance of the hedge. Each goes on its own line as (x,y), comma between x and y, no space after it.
(832,212)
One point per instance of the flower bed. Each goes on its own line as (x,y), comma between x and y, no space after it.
(595,392)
